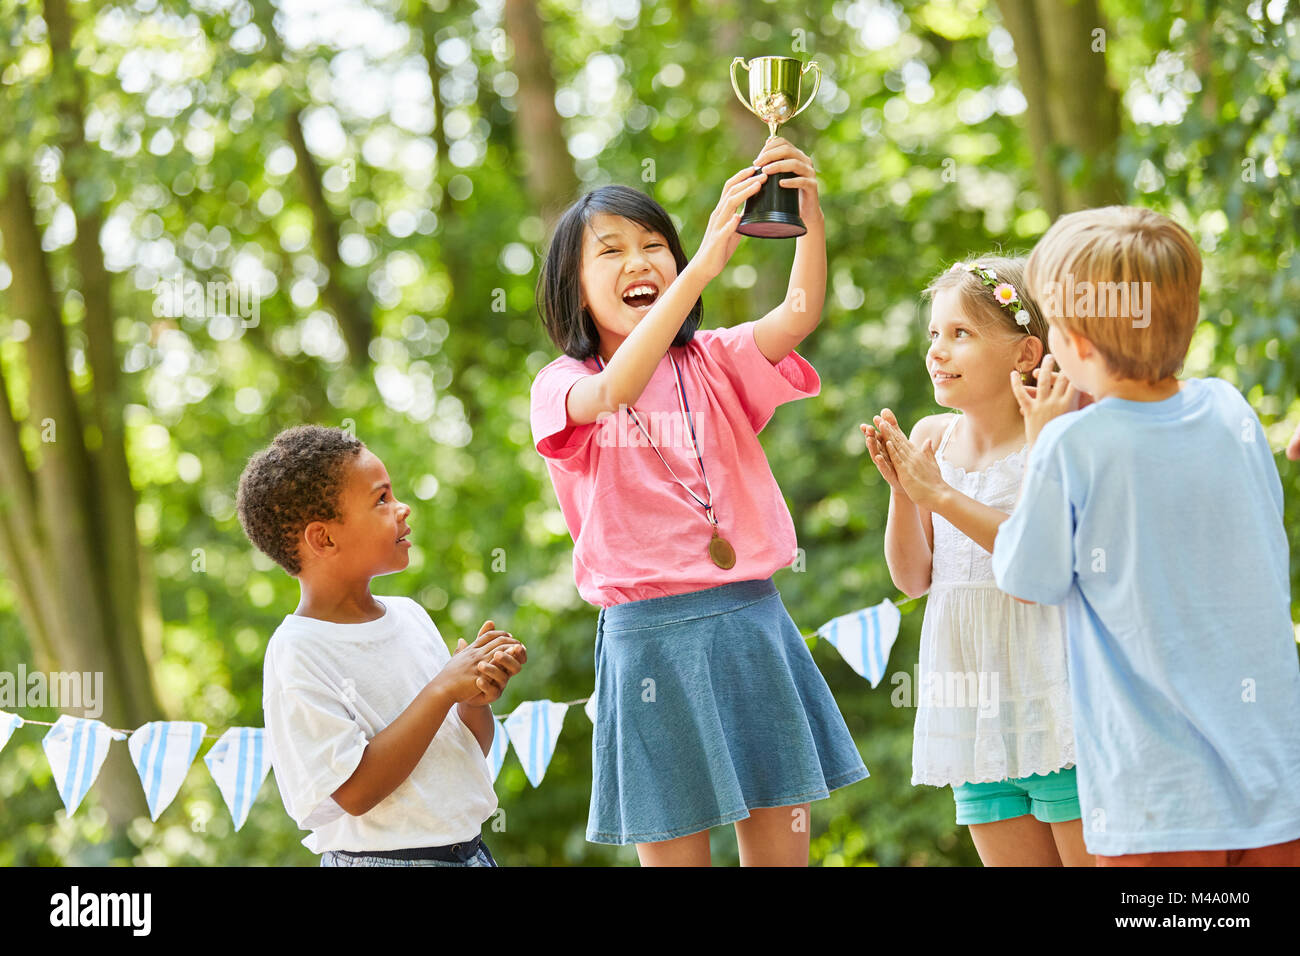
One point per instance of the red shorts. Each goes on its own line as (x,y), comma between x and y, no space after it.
(1277,854)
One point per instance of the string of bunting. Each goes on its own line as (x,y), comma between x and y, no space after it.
(163,750)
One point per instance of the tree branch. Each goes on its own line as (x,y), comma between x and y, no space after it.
(352,309)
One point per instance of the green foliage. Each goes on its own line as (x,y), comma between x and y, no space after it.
(922,160)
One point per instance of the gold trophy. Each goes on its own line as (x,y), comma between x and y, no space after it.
(774,97)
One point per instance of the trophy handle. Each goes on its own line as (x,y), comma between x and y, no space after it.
(740,60)
(810,65)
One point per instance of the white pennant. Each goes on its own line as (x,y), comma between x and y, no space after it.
(534,727)
(589,708)
(162,752)
(500,744)
(864,638)
(8,724)
(238,763)
(75,748)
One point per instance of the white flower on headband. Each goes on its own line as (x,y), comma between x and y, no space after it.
(1022,318)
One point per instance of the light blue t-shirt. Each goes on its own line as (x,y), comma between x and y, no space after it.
(1159,525)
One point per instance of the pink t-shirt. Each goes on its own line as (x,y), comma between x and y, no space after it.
(637,534)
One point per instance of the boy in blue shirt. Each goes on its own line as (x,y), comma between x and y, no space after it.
(1155,516)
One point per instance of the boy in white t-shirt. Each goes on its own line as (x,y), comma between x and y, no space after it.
(377,734)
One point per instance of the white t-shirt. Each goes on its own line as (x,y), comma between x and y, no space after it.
(327,689)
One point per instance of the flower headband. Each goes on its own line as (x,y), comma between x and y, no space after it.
(1004,292)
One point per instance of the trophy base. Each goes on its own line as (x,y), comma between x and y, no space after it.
(772,212)
(772,228)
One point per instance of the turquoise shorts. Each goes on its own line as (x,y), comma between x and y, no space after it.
(1052,798)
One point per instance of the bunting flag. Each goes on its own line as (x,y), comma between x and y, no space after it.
(534,728)
(864,638)
(8,724)
(162,752)
(500,742)
(238,762)
(75,748)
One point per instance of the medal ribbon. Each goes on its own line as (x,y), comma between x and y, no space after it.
(690,423)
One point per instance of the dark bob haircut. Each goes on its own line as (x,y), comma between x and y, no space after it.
(559,287)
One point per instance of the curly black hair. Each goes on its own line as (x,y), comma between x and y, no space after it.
(296,481)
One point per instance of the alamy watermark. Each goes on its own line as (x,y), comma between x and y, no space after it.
(75,908)
(944,689)
(183,296)
(62,689)
(1087,299)
(665,429)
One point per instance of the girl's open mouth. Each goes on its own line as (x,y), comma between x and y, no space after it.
(641,296)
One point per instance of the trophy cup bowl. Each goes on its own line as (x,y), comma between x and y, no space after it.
(775,85)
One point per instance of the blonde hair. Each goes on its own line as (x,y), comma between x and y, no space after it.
(978,299)
(1127,279)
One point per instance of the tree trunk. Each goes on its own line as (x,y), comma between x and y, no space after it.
(25,560)
(552,183)
(1072,110)
(63,545)
(115,536)
(424,21)
(454,254)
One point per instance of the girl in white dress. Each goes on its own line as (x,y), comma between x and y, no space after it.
(993,702)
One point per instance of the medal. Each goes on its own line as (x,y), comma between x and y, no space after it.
(720,550)
(722,553)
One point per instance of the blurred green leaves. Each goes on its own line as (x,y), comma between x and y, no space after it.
(922,161)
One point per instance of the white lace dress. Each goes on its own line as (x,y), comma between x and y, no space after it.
(992,695)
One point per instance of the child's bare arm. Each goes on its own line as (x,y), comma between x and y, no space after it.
(630,369)
(908,549)
(919,474)
(478,718)
(626,375)
(392,754)
(780,331)
(909,531)
(975,520)
(477,712)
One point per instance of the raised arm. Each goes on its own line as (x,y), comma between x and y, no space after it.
(629,370)
(780,331)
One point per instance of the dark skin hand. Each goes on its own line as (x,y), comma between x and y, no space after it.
(476,674)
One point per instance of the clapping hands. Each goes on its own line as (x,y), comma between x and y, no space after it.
(492,660)
(911,471)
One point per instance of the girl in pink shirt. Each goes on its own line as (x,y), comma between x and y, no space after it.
(709,708)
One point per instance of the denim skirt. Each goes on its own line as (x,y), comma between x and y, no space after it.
(708,706)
